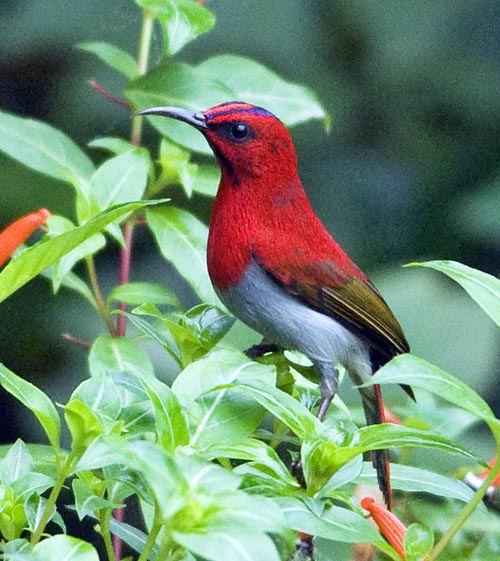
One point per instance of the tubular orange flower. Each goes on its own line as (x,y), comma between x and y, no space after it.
(390,525)
(15,234)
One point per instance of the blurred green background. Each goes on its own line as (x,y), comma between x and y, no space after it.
(410,171)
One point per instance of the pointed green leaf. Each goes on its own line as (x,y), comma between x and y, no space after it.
(132,536)
(65,548)
(416,372)
(219,543)
(417,480)
(113,144)
(34,400)
(17,462)
(387,435)
(118,354)
(182,240)
(254,83)
(482,287)
(122,179)
(144,292)
(284,407)
(334,523)
(113,56)
(179,85)
(171,426)
(34,260)
(43,148)
(221,413)
(182,21)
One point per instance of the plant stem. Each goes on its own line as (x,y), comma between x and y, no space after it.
(96,289)
(51,501)
(125,259)
(153,534)
(465,513)
(105,519)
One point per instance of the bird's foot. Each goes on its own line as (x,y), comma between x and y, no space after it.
(262,348)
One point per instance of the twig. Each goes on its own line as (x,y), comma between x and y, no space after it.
(108,95)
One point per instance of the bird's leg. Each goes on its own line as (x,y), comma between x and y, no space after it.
(262,348)
(328,386)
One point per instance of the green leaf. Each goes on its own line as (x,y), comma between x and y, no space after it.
(43,148)
(417,480)
(207,179)
(182,240)
(256,453)
(131,536)
(122,179)
(195,87)
(32,483)
(16,463)
(254,83)
(171,427)
(65,548)
(179,85)
(220,413)
(387,435)
(144,292)
(481,287)
(102,396)
(414,371)
(118,354)
(155,334)
(113,56)
(284,407)
(60,225)
(176,166)
(333,523)
(87,503)
(216,543)
(113,144)
(34,260)
(83,424)
(181,21)
(34,400)
(417,542)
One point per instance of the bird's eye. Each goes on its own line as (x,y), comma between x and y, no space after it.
(240,131)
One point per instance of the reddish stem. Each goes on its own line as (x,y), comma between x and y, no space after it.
(76,341)
(108,95)
(125,259)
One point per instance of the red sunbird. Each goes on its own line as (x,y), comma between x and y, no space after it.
(277,268)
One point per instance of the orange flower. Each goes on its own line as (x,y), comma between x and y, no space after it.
(484,474)
(390,525)
(15,234)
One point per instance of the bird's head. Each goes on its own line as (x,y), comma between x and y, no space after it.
(247,140)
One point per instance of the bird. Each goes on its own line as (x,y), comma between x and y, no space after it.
(277,268)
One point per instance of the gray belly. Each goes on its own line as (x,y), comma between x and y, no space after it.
(282,319)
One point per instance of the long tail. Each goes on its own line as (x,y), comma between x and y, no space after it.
(374,413)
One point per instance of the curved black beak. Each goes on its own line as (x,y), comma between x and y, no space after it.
(194,118)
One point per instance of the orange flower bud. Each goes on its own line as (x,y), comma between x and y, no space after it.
(389,417)
(15,234)
(389,525)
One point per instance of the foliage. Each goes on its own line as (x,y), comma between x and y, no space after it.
(210,479)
